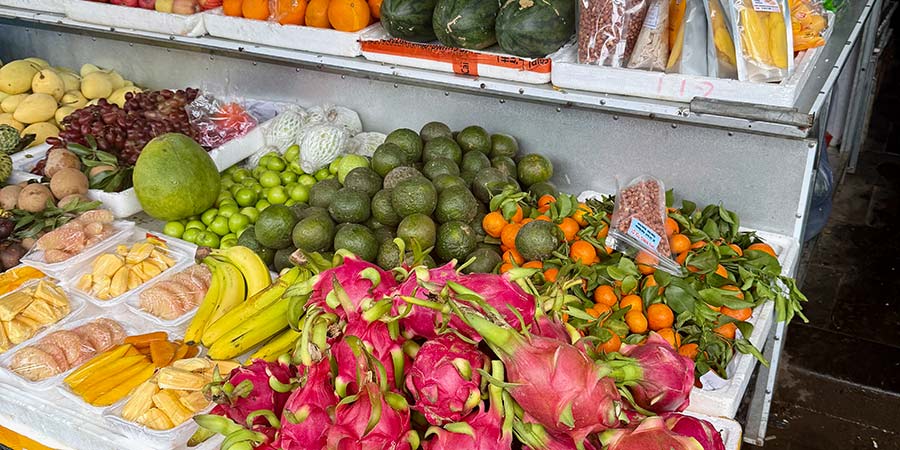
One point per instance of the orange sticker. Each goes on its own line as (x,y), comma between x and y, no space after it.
(465,62)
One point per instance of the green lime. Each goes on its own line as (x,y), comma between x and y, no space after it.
(363,179)
(277,195)
(262,205)
(388,255)
(238,223)
(283,258)
(226,202)
(299,193)
(250,212)
(307,180)
(456,203)
(226,183)
(442,147)
(399,174)
(538,190)
(233,190)
(474,138)
(288,178)
(250,182)
(230,170)
(257,189)
(383,211)
(408,141)
(486,260)
(290,202)
(228,210)
(538,239)
(315,233)
(333,167)
(270,179)
(191,234)
(439,166)
(358,239)
(434,130)
(219,226)
(350,205)
(258,171)
(348,164)
(474,162)
(208,216)
(414,195)
(195,224)
(294,166)
(274,226)
(228,241)
(455,240)
(506,165)
(207,239)
(276,163)
(322,174)
(387,157)
(240,175)
(174,229)
(489,182)
(442,182)
(321,193)
(292,153)
(246,197)
(504,145)
(417,228)
(534,168)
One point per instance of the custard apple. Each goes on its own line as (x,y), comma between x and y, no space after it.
(5,167)
(9,138)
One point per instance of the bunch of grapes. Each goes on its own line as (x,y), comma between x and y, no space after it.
(125,131)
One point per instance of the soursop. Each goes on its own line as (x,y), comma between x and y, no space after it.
(9,139)
(364,144)
(5,167)
(322,144)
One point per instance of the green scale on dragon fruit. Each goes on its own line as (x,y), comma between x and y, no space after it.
(359,279)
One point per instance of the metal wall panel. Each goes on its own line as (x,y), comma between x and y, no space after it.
(762,177)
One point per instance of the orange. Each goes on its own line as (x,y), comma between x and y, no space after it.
(737,249)
(526,220)
(611,345)
(728,330)
(605,295)
(255,9)
(636,321)
(739,314)
(543,217)
(650,280)
(688,351)
(698,244)
(660,316)
(720,271)
(763,248)
(578,216)
(600,309)
(679,243)
(517,217)
(533,265)
(714,308)
(317,14)
(604,231)
(290,12)
(233,8)
(493,224)
(583,252)
(569,227)
(634,301)
(645,262)
(506,267)
(592,312)
(671,226)
(508,235)
(550,275)
(729,287)
(673,338)
(375,8)
(545,201)
(512,256)
(681,258)
(349,15)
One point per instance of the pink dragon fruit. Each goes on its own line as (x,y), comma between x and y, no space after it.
(704,432)
(425,285)
(550,328)
(651,434)
(444,379)
(536,437)
(502,294)
(305,419)
(359,279)
(371,420)
(377,338)
(665,378)
(556,384)
(249,389)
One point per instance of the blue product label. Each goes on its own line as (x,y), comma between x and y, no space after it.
(643,233)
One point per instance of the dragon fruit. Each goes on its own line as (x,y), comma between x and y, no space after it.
(704,432)
(249,389)
(502,294)
(371,420)
(536,437)
(305,419)
(359,279)
(664,379)
(556,384)
(444,379)
(550,328)
(651,434)
(426,284)
(378,340)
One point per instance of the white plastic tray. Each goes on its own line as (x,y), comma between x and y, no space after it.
(116,16)
(377,45)
(35,257)
(155,439)
(133,302)
(309,39)
(53,6)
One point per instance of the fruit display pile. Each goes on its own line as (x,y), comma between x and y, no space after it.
(341,15)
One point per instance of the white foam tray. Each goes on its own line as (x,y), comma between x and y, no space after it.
(295,37)
(116,16)
(52,6)
(567,73)
(490,63)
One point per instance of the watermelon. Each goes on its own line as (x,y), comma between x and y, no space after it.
(535,28)
(466,23)
(408,19)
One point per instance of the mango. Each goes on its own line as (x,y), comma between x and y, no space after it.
(74,99)
(62,113)
(118,96)
(36,108)
(7,119)
(15,77)
(48,82)
(88,68)
(71,80)
(43,64)
(116,79)
(96,85)
(9,104)
(41,131)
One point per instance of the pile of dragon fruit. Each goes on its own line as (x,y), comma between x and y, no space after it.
(446,360)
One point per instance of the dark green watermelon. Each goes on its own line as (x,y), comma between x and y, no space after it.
(409,19)
(466,23)
(535,28)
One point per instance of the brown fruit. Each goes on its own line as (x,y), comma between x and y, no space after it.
(34,198)
(9,195)
(67,182)
(58,159)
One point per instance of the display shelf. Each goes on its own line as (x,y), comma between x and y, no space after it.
(847,27)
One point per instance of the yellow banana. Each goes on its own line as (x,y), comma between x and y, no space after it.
(251,266)
(277,346)
(234,290)
(252,331)
(208,306)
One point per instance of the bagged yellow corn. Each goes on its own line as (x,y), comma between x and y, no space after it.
(808,22)
(763,41)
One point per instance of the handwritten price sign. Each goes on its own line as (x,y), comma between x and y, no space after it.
(683,87)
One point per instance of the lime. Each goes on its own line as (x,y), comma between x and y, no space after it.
(414,195)
(174,229)
(349,163)
(417,228)
(238,223)
(399,174)
(251,213)
(299,193)
(388,255)
(276,163)
(258,171)
(307,180)
(321,193)
(456,203)
(228,241)
(226,202)
(294,166)
(246,197)
(282,258)
(228,210)
(233,190)
(363,179)
(474,162)
(207,239)
(274,226)
(440,166)
(240,175)
(226,183)
(191,234)
(333,167)
(230,170)
(442,182)
(270,179)
(534,168)
(288,178)
(315,233)
(292,153)
(257,189)
(208,216)
(382,211)
(538,239)
(455,240)
(486,260)
(322,174)
(277,195)
(358,239)
(442,147)
(434,130)
(489,182)
(408,141)
(504,145)
(290,202)
(538,190)
(505,164)
(350,205)
(250,182)
(474,138)
(387,157)
(262,205)
(219,225)
(196,224)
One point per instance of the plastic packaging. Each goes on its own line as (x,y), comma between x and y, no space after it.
(638,226)
(44,360)
(692,50)
(763,44)
(14,278)
(651,52)
(76,241)
(608,30)
(808,23)
(725,59)
(35,306)
(219,121)
(168,300)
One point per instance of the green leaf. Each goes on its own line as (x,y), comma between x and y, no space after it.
(670,198)
(744,346)
(616,273)
(711,228)
(629,284)
(688,207)
(745,327)
(678,299)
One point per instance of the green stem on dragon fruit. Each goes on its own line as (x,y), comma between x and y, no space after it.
(217,424)
(302,347)
(302,288)
(320,333)
(440,307)
(377,310)
(411,348)
(360,351)
(372,275)
(296,311)
(278,386)
(502,340)
(265,413)
(242,436)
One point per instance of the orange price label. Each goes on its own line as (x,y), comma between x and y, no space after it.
(465,62)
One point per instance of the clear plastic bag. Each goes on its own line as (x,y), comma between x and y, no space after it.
(608,30)
(762,40)
(651,52)
(808,23)
(692,50)
(637,227)
(726,60)
(219,121)
(172,298)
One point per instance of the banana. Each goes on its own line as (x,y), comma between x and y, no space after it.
(209,305)
(251,266)
(263,325)
(234,289)
(249,308)
(277,346)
